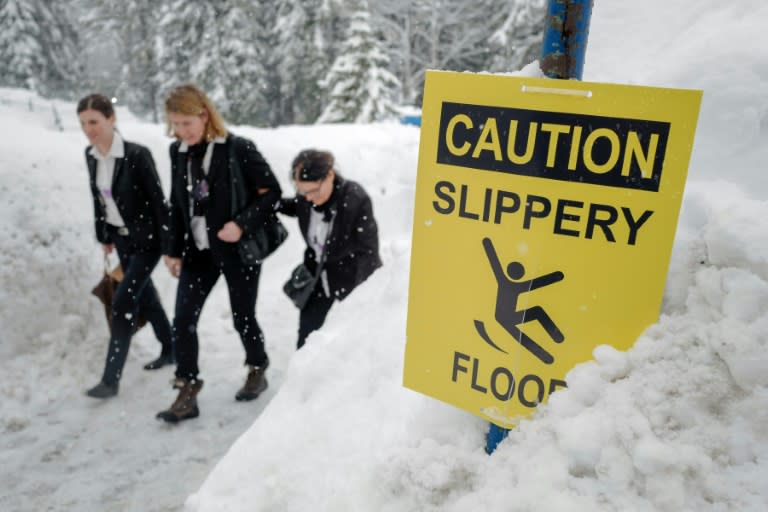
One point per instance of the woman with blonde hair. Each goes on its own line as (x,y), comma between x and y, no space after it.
(204,234)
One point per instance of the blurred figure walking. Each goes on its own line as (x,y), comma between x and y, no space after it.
(204,236)
(132,217)
(336,220)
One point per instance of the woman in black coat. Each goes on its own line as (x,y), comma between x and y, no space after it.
(131,216)
(204,235)
(336,220)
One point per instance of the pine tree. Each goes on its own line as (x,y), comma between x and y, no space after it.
(268,62)
(61,49)
(181,37)
(302,60)
(20,48)
(242,64)
(267,41)
(360,87)
(214,45)
(38,48)
(137,29)
(207,66)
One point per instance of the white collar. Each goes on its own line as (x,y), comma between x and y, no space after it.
(117,150)
(184,147)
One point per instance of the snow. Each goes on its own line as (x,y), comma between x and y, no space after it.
(678,422)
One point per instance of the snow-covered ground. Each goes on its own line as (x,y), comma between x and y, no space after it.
(60,450)
(677,423)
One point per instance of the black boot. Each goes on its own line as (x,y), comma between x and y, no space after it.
(255,383)
(102,390)
(185,406)
(162,360)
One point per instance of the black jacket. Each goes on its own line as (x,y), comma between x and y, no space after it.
(256,173)
(139,197)
(352,252)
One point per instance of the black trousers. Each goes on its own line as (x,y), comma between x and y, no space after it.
(313,315)
(136,294)
(199,274)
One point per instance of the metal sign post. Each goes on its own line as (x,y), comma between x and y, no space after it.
(562,57)
(565,38)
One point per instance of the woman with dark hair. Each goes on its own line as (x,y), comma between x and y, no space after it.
(336,220)
(131,217)
(204,235)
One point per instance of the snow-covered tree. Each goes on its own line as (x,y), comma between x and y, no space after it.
(181,31)
(398,24)
(452,34)
(132,25)
(215,45)
(61,48)
(21,59)
(267,42)
(435,34)
(263,62)
(208,69)
(38,47)
(517,41)
(139,87)
(235,70)
(130,28)
(303,59)
(359,86)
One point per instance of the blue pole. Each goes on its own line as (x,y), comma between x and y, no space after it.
(565,38)
(494,436)
(562,56)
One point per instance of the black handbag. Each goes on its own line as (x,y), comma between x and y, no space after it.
(256,247)
(300,285)
(253,248)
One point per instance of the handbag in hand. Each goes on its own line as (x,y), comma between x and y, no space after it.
(253,248)
(105,292)
(300,285)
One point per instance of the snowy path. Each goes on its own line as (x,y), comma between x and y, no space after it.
(62,451)
(75,453)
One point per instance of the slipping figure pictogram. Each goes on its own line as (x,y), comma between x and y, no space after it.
(510,287)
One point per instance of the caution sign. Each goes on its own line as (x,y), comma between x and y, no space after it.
(544,220)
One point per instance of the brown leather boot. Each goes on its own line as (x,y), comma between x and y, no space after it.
(255,383)
(185,406)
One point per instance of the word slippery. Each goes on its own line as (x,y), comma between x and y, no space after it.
(561,216)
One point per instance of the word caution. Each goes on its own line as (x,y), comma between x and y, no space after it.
(616,152)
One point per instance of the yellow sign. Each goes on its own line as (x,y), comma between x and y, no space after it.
(544,220)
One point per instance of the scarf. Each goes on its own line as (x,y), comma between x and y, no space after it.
(199,193)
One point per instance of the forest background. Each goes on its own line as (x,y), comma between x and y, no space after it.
(263,62)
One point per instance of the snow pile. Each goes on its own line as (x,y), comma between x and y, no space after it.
(679,422)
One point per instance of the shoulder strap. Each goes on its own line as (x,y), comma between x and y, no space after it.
(237,187)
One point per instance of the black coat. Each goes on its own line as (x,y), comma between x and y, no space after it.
(139,197)
(352,252)
(257,175)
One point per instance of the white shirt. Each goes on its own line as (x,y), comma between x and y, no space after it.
(317,234)
(105,172)
(198,223)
